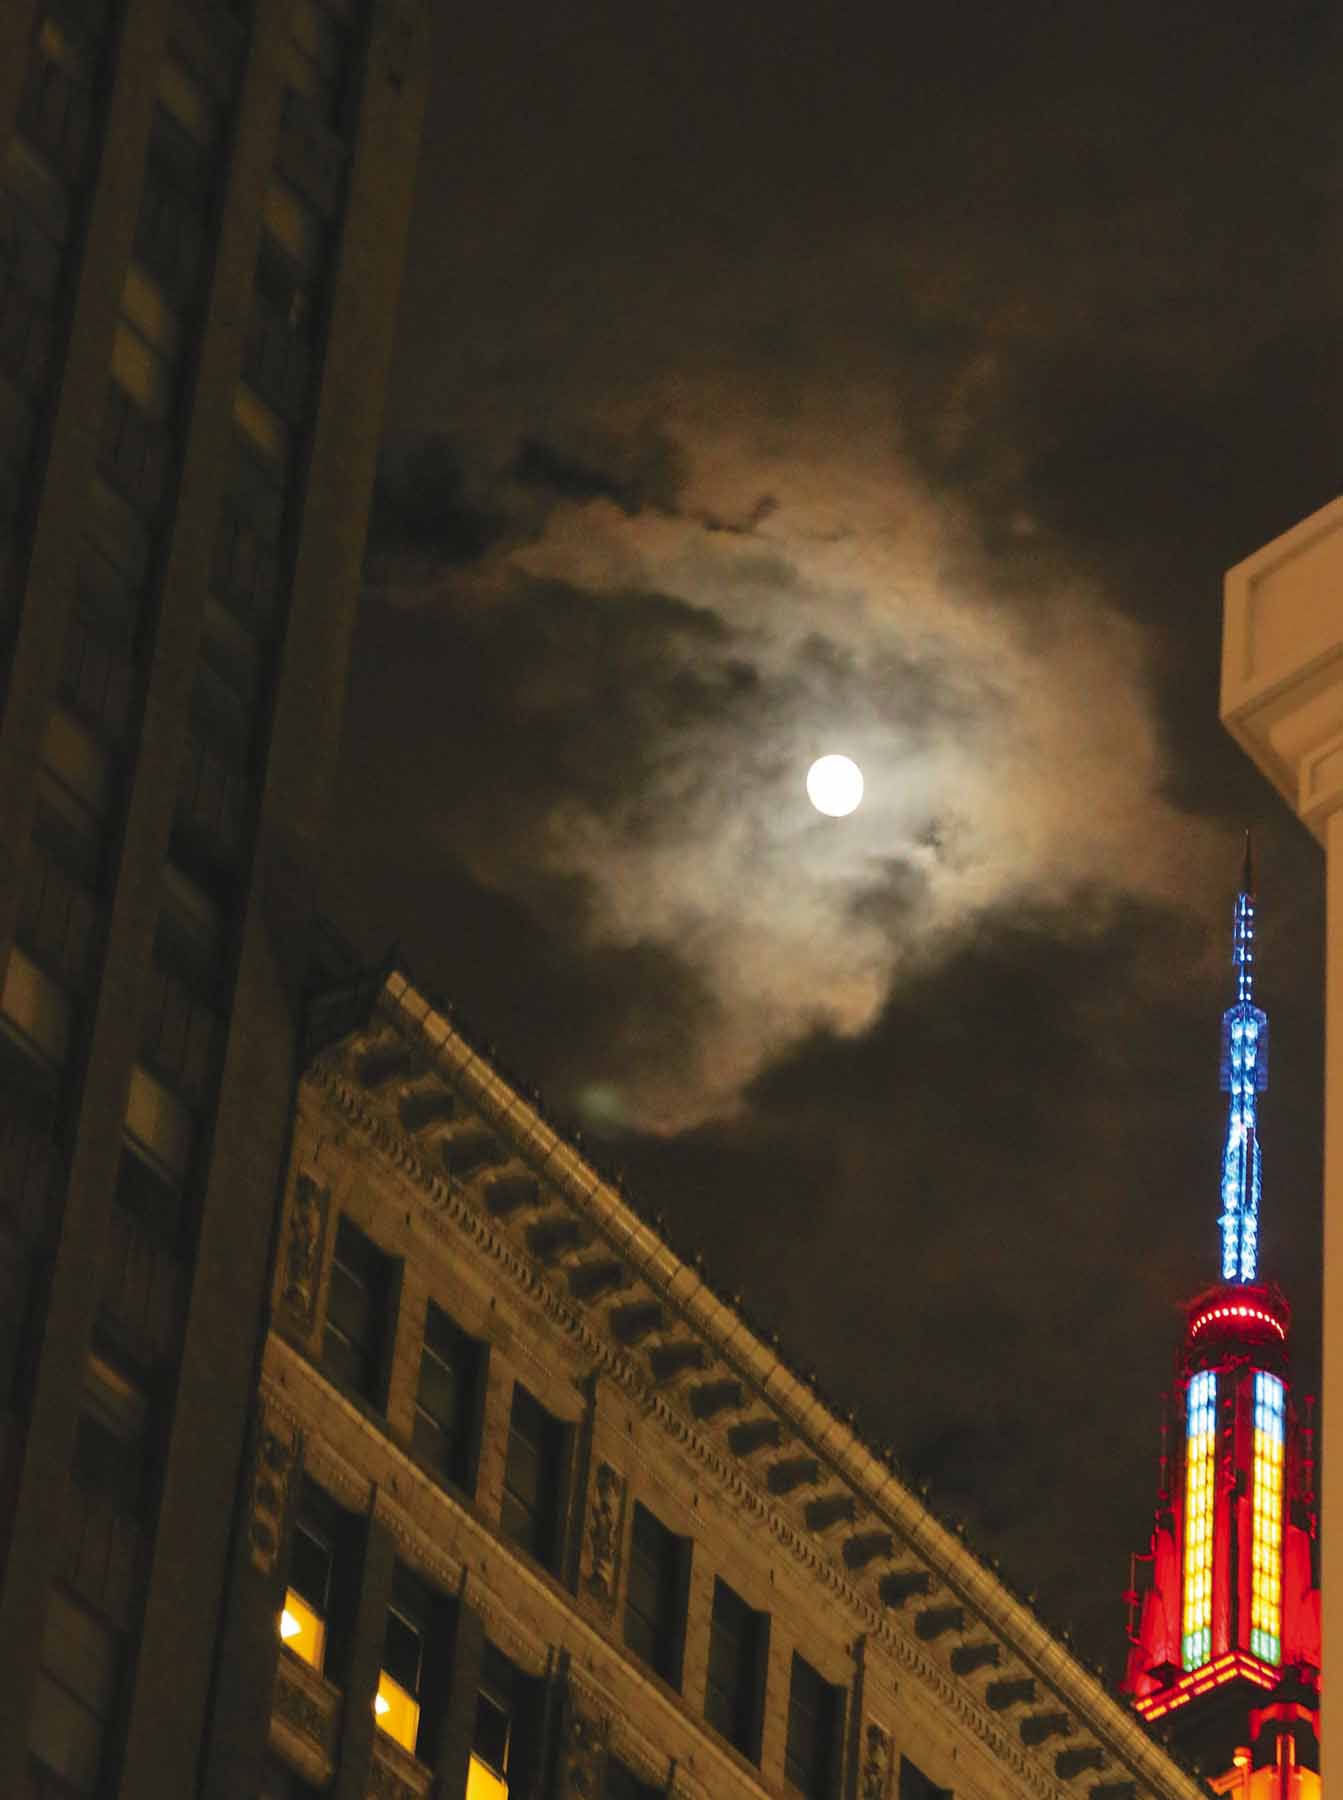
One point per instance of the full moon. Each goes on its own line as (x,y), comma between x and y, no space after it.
(834,785)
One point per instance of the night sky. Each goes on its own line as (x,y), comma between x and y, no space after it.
(901,382)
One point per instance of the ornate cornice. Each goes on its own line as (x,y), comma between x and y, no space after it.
(764,1374)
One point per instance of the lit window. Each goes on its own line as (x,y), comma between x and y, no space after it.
(1266,1563)
(307,1599)
(1200,1468)
(302,1630)
(396,1705)
(487,1778)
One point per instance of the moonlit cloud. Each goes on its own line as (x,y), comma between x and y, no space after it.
(1010,752)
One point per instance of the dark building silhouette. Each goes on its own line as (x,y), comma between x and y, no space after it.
(203,208)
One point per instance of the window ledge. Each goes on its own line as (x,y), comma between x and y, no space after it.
(395,1774)
(305,1714)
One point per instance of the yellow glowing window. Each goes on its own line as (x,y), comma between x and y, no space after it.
(1266,1500)
(483,1784)
(1200,1471)
(397,1712)
(302,1629)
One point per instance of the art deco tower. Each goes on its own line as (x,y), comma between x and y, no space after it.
(1225,1638)
(203,210)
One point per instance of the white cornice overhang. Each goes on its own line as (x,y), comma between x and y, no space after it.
(730,1340)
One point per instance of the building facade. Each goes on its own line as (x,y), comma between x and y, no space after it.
(203,205)
(1225,1641)
(534,1512)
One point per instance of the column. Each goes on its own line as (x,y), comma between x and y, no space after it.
(1282,700)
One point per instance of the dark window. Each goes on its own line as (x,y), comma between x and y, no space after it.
(621,1784)
(403,1651)
(915,1785)
(506,1738)
(738,1639)
(813,1732)
(358,1311)
(446,1406)
(655,1595)
(310,1562)
(533,1478)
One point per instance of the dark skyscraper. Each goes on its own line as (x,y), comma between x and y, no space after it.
(203,207)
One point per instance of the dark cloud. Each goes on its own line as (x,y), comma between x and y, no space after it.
(901,381)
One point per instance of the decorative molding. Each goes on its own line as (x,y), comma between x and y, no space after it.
(393,1774)
(277,1445)
(602,1539)
(875,1776)
(309,1206)
(305,1711)
(583,1747)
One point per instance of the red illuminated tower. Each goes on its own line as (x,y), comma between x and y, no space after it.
(1225,1638)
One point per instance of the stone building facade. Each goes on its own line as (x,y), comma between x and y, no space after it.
(540,1515)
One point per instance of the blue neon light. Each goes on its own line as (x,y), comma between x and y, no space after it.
(1244,1077)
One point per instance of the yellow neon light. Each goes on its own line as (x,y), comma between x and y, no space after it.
(1200,1468)
(1266,1500)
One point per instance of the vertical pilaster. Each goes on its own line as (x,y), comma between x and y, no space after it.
(1331,1486)
(113,207)
(452,1752)
(18,18)
(365,1661)
(774,1728)
(249,1644)
(49,1441)
(225,1316)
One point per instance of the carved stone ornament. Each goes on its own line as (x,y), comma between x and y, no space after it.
(303,1249)
(875,1779)
(276,1454)
(606,1518)
(404,1779)
(584,1750)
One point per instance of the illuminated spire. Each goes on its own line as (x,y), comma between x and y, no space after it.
(1244,1078)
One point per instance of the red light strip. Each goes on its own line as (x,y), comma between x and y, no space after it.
(1252,1313)
(1216,1674)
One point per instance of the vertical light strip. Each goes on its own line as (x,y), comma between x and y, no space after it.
(1200,1468)
(1266,1566)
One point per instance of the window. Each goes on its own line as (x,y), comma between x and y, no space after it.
(738,1638)
(357,1313)
(533,1478)
(397,1702)
(915,1785)
(505,1738)
(320,1534)
(813,1732)
(447,1406)
(76,1691)
(655,1595)
(622,1784)
(307,1600)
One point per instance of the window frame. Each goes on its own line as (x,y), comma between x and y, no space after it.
(553,1448)
(379,1281)
(464,1360)
(744,1730)
(666,1625)
(813,1735)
